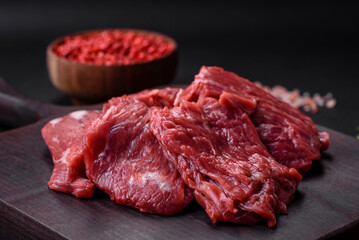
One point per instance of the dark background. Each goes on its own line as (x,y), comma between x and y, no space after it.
(312,47)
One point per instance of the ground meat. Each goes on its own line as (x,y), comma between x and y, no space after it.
(215,147)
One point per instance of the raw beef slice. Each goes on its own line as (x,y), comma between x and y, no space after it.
(289,134)
(164,97)
(126,161)
(64,137)
(215,147)
(157,97)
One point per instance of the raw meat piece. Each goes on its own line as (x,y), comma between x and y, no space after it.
(125,160)
(157,97)
(64,138)
(289,134)
(164,97)
(215,147)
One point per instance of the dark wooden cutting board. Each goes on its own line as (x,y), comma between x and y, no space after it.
(326,204)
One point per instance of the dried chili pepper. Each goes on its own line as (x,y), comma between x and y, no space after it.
(114,48)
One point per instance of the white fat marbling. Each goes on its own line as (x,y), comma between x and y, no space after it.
(64,156)
(155,177)
(56,121)
(78,115)
(150,176)
(130,181)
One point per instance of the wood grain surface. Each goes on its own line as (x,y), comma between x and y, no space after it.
(326,204)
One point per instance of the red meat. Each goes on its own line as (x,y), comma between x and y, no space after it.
(125,160)
(289,134)
(152,98)
(64,137)
(215,147)
(155,149)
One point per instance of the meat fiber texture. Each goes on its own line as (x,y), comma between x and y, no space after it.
(125,160)
(215,147)
(136,173)
(155,149)
(289,135)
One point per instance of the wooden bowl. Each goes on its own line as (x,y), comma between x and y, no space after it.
(90,83)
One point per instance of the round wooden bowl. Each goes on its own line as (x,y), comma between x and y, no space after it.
(90,83)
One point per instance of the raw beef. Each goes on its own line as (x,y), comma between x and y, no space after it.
(218,140)
(289,134)
(152,98)
(215,147)
(157,97)
(126,161)
(64,137)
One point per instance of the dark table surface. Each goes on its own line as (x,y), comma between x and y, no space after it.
(311,47)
